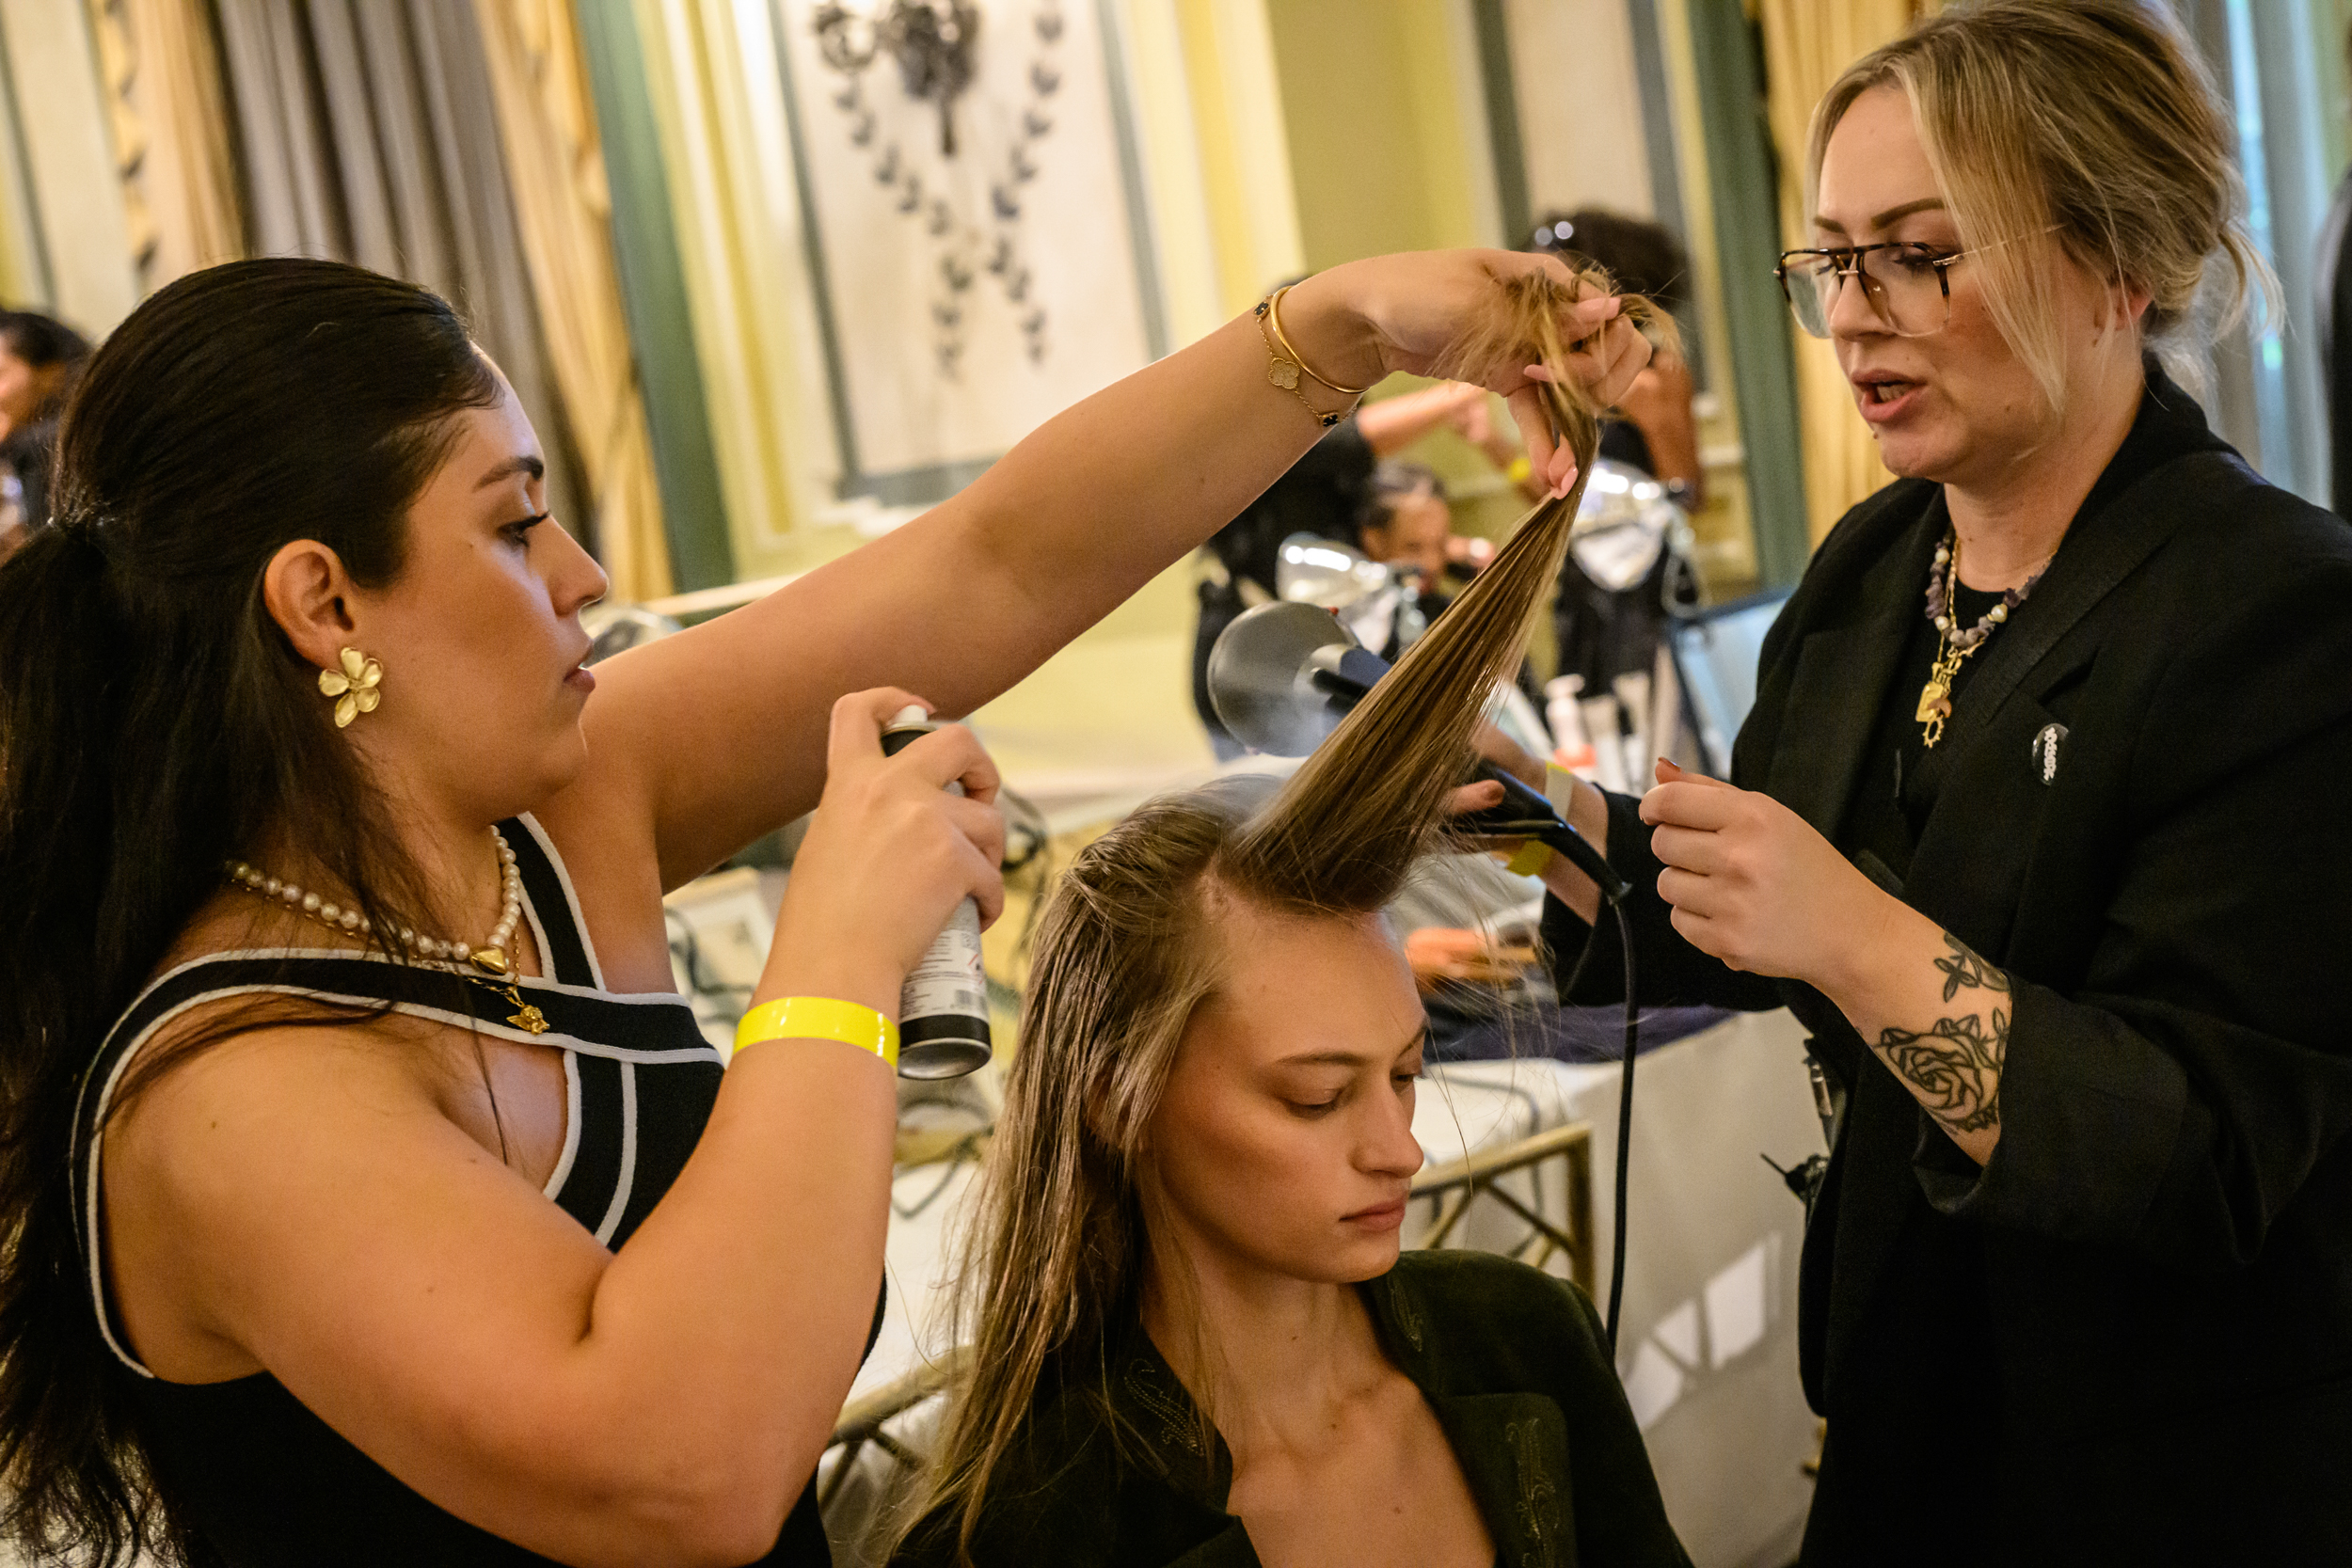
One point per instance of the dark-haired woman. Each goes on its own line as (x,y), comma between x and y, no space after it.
(40,359)
(2038,826)
(371,1196)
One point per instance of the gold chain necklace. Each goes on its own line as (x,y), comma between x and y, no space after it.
(1953,644)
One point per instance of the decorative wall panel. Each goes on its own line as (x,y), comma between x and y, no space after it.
(969,177)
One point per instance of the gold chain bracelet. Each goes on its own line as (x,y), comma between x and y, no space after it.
(1285,365)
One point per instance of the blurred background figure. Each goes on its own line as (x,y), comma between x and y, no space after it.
(1407,526)
(1658,433)
(1325,493)
(39,360)
(1405,523)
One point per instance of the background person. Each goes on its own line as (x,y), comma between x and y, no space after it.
(484,1260)
(41,357)
(2054,878)
(1408,525)
(1323,493)
(1405,523)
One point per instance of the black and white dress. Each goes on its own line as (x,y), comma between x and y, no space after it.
(261,1479)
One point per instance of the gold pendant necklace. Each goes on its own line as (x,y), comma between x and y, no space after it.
(490,958)
(1953,646)
(526,1017)
(1935,698)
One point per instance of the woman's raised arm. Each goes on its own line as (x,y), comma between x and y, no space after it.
(719,734)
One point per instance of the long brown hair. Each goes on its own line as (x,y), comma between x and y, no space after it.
(155,722)
(1125,955)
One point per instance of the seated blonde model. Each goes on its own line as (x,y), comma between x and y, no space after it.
(1194,1339)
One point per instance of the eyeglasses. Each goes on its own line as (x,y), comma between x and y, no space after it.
(1905,283)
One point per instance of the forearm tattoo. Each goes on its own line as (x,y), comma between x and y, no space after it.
(1955,1063)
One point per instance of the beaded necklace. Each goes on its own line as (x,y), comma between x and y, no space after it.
(1953,644)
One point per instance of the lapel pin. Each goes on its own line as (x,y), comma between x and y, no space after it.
(2045,750)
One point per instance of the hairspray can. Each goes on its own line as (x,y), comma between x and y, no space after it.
(942,1007)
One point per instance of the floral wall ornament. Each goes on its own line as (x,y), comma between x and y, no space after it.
(935,44)
(931,42)
(963,298)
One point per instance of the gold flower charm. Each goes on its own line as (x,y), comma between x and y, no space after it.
(354,687)
(1284,374)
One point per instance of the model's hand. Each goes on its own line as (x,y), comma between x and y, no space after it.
(1364,320)
(1754,884)
(888,856)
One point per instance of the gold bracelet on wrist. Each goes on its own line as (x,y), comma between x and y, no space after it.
(1284,367)
(1273,320)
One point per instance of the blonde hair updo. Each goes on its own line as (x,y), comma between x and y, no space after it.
(2090,126)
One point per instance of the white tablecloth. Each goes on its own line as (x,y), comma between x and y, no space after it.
(1708,1345)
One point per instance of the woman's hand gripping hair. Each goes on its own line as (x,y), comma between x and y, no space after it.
(1414,308)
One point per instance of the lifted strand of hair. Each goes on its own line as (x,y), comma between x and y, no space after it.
(1345,830)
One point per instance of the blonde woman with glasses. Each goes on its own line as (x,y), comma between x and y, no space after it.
(2037,825)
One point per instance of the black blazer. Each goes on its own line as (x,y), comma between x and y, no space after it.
(2166,1224)
(1511,1360)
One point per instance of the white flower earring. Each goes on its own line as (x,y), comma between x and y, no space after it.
(354,686)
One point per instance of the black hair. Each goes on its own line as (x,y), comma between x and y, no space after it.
(1392,481)
(154,722)
(45,343)
(41,341)
(1644,256)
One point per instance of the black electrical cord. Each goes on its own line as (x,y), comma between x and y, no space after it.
(1625,1123)
(1625,1099)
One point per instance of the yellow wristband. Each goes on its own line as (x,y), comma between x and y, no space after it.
(821,1017)
(1530,862)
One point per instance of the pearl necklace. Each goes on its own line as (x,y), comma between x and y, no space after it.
(490,956)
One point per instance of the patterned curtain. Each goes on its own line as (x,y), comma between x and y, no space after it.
(168,113)
(1807,44)
(547,125)
(368,134)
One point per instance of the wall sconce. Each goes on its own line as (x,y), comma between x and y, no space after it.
(931,42)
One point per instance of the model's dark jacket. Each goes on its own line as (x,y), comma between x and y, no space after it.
(2166,1226)
(1511,1359)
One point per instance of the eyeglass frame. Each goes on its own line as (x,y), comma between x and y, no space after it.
(1851,268)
